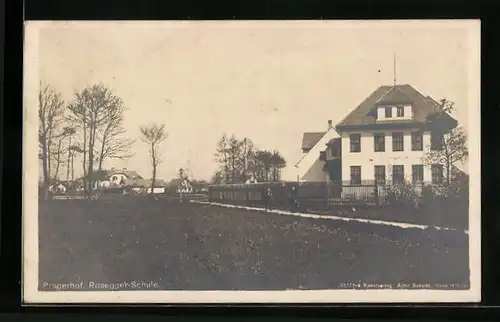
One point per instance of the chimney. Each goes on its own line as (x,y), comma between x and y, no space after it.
(330,124)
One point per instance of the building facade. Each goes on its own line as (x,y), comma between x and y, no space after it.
(382,141)
(317,152)
(385,139)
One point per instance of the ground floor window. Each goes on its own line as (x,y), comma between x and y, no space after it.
(417,173)
(380,174)
(437,173)
(355,175)
(398,175)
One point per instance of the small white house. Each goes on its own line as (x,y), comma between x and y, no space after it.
(315,153)
(57,188)
(122,177)
(185,186)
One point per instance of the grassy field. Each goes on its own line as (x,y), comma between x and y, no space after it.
(200,247)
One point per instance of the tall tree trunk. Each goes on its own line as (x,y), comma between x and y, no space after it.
(91,159)
(46,179)
(58,160)
(154,179)
(85,186)
(49,156)
(448,170)
(73,166)
(69,159)
(99,166)
(153,158)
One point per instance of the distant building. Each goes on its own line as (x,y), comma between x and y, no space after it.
(144,186)
(129,180)
(122,177)
(320,152)
(57,188)
(181,186)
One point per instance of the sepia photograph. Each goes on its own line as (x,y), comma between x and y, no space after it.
(251,162)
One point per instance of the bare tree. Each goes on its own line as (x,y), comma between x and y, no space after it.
(451,145)
(154,135)
(235,151)
(58,152)
(246,158)
(278,162)
(50,116)
(70,132)
(222,156)
(90,114)
(113,145)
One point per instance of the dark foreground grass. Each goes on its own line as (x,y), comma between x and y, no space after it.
(201,247)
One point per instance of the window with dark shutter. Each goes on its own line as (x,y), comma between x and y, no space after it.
(437,173)
(355,142)
(379,142)
(388,111)
(417,141)
(355,175)
(398,175)
(417,173)
(437,141)
(397,141)
(380,174)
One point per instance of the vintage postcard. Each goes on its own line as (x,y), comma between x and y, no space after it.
(252,162)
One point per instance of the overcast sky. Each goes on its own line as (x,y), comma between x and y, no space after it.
(269,81)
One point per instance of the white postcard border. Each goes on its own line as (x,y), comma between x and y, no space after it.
(31,295)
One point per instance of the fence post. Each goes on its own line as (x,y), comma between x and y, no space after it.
(327,203)
(376,195)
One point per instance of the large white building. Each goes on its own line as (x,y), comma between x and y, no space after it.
(383,140)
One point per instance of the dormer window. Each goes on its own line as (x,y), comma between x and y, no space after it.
(394,112)
(400,111)
(388,111)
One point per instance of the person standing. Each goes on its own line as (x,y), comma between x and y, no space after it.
(268,198)
(293,199)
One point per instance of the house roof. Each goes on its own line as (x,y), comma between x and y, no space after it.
(333,141)
(146,183)
(106,174)
(310,139)
(394,96)
(313,152)
(176,182)
(365,113)
(100,175)
(129,173)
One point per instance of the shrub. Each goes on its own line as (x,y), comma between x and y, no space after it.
(404,194)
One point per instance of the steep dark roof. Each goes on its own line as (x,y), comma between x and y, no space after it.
(333,141)
(101,175)
(310,139)
(394,96)
(365,113)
